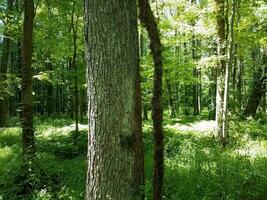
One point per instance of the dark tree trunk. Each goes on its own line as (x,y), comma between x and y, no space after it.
(142,52)
(4,63)
(258,90)
(148,20)
(26,90)
(239,85)
(82,104)
(264,100)
(49,92)
(196,99)
(177,99)
(212,93)
(139,175)
(70,98)
(111,49)
(74,65)
(145,111)
(26,97)
(171,101)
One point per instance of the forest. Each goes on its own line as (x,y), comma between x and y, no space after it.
(133,99)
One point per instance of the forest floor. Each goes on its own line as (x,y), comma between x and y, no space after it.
(196,167)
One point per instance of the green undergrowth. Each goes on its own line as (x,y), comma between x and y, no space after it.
(196,167)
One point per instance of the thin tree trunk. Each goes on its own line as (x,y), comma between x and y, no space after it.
(49,91)
(196,103)
(142,53)
(230,54)
(27,115)
(28,143)
(74,65)
(148,20)
(112,59)
(171,101)
(145,111)
(221,65)
(239,85)
(139,171)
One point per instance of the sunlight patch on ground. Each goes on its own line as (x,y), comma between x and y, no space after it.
(205,127)
(65,130)
(252,149)
(5,152)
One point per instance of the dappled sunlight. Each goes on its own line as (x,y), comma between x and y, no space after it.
(59,131)
(6,152)
(204,127)
(197,166)
(252,149)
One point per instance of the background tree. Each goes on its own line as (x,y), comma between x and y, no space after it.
(4,62)
(26,94)
(149,21)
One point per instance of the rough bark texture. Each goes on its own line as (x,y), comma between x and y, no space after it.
(148,20)
(221,65)
(111,49)
(26,90)
(4,62)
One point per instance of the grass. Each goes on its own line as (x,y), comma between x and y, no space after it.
(196,168)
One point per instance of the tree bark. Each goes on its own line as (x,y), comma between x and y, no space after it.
(4,63)
(139,171)
(26,90)
(111,49)
(49,91)
(28,143)
(258,90)
(239,85)
(196,99)
(74,65)
(171,100)
(148,20)
(230,55)
(220,72)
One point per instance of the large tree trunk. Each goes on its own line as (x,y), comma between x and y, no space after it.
(111,47)
(4,63)
(148,20)
(221,65)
